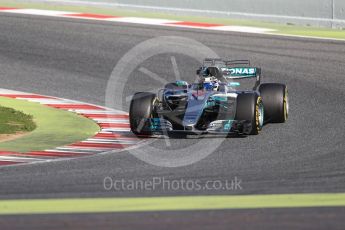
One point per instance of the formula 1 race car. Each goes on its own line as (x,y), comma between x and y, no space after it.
(228,99)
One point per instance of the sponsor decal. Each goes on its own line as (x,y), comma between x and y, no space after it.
(227,125)
(221,125)
(181,83)
(234,84)
(216,124)
(155,124)
(245,72)
(223,98)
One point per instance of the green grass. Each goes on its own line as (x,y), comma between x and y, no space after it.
(54,127)
(180,203)
(280,28)
(13,121)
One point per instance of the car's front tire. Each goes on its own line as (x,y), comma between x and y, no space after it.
(141,108)
(249,107)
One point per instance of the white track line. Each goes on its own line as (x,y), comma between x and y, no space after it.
(137,20)
(52,13)
(146,21)
(111,121)
(20,159)
(116,130)
(87,111)
(112,141)
(48,101)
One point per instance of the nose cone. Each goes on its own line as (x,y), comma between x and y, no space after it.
(193,112)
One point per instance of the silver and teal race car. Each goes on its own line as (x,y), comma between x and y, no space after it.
(229,98)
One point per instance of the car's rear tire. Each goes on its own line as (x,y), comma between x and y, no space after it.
(141,107)
(249,107)
(276,102)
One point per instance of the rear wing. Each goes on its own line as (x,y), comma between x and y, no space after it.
(225,70)
(221,62)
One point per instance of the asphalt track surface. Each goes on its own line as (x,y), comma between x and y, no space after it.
(74,59)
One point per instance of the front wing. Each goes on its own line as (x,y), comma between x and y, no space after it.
(163,126)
